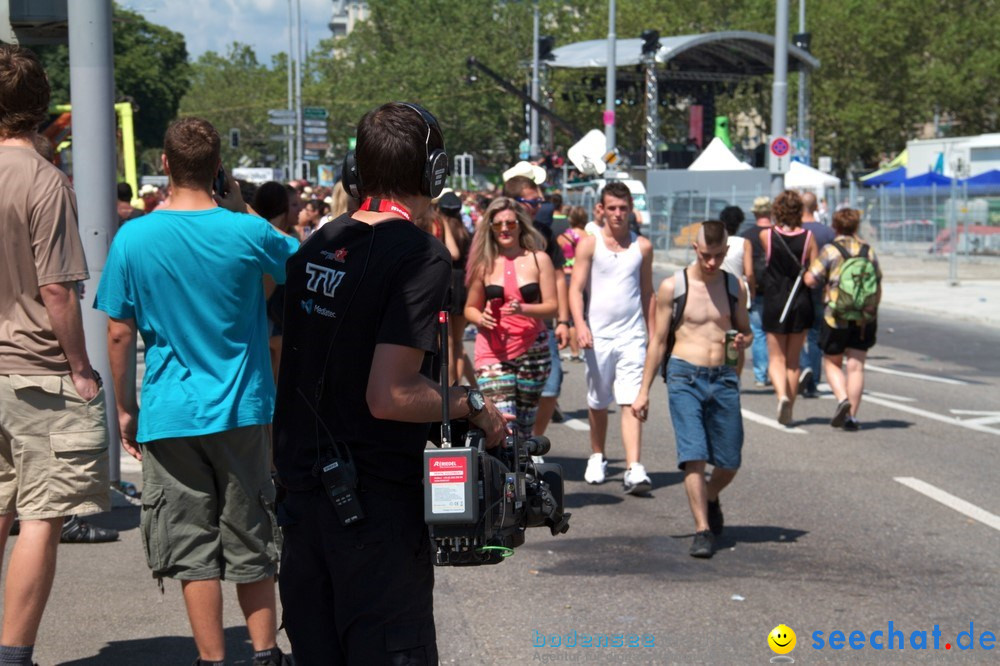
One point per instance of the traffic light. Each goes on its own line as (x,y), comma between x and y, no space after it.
(234,138)
(650,41)
(545,45)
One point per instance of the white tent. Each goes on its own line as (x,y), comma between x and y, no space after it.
(717,157)
(803,177)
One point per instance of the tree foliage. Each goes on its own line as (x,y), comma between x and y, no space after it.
(151,71)
(235,91)
(885,69)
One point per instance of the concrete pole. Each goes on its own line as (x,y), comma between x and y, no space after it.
(534,150)
(290,130)
(610,93)
(803,123)
(91,73)
(299,171)
(779,95)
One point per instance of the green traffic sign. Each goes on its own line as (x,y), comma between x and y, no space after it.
(315,113)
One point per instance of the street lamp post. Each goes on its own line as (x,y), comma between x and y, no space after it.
(779,97)
(534,150)
(610,93)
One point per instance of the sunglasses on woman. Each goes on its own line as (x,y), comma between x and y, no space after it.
(499,225)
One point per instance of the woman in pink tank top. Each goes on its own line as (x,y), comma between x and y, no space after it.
(511,289)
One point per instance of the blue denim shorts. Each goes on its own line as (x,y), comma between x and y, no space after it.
(705,410)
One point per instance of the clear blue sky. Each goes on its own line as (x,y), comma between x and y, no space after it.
(211,25)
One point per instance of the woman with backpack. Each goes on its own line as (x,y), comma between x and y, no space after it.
(788,308)
(849,271)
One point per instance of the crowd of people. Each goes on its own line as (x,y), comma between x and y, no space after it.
(283,420)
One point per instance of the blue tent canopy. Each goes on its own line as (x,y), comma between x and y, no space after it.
(985,178)
(889,178)
(925,180)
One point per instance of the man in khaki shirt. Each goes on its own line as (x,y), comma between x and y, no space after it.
(53,430)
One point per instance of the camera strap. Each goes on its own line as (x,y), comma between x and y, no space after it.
(321,383)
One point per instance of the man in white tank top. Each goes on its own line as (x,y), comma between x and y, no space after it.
(616,268)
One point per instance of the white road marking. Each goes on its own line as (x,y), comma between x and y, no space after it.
(890,396)
(577,424)
(826,393)
(771,423)
(971,425)
(985,418)
(916,375)
(949,500)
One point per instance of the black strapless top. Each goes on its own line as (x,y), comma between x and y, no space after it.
(530,293)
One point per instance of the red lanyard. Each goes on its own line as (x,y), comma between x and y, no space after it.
(385,206)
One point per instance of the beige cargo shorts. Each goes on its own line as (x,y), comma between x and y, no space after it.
(53,448)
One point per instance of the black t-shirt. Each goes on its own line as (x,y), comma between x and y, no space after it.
(752,234)
(333,321)
(551,246)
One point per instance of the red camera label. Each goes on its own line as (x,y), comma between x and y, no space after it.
(448,470)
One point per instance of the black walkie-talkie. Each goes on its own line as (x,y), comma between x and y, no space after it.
(340,482)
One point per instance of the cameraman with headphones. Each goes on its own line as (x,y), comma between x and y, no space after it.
(354,404)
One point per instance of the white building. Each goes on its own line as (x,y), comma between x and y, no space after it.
(962,156)
(347,14)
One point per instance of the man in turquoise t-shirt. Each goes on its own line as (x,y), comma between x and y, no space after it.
(189,277)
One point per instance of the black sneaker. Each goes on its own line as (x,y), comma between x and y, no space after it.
(715,519)
(703,545)
(76,530)
(851,424)
(842,413)
(806,381)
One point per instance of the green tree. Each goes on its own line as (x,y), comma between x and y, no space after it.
(151,71)
(235,91)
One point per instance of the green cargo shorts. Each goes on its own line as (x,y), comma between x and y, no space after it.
(208,506)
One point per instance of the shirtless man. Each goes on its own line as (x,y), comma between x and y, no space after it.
(704,393)
(615,266)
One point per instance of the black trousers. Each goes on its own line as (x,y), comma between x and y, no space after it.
(362,594)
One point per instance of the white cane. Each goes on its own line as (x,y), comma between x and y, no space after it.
(791,297)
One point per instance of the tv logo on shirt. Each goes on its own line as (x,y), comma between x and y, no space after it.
(323,280)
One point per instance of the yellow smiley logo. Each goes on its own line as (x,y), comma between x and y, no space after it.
(781,639)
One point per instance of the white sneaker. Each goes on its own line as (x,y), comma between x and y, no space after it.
(636,480)
(597,469)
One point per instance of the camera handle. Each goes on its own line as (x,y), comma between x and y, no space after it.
(443,334)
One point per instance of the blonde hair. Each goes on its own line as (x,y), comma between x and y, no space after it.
(485,249)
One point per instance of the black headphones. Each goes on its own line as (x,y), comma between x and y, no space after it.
(435,170)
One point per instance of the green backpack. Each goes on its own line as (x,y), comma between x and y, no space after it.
(858,287)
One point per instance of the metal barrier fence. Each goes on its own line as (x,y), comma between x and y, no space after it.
(899,221)
(925,220)
(673,217)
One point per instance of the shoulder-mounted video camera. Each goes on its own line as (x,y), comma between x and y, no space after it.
(478,502)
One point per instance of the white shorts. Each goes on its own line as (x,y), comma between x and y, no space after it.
(614,371)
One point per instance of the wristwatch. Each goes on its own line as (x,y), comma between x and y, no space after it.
(476,402)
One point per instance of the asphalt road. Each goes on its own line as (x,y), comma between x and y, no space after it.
(825,531)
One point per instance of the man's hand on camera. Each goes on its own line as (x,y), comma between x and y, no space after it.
(492,422)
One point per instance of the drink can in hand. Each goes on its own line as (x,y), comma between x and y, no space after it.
(732,354)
